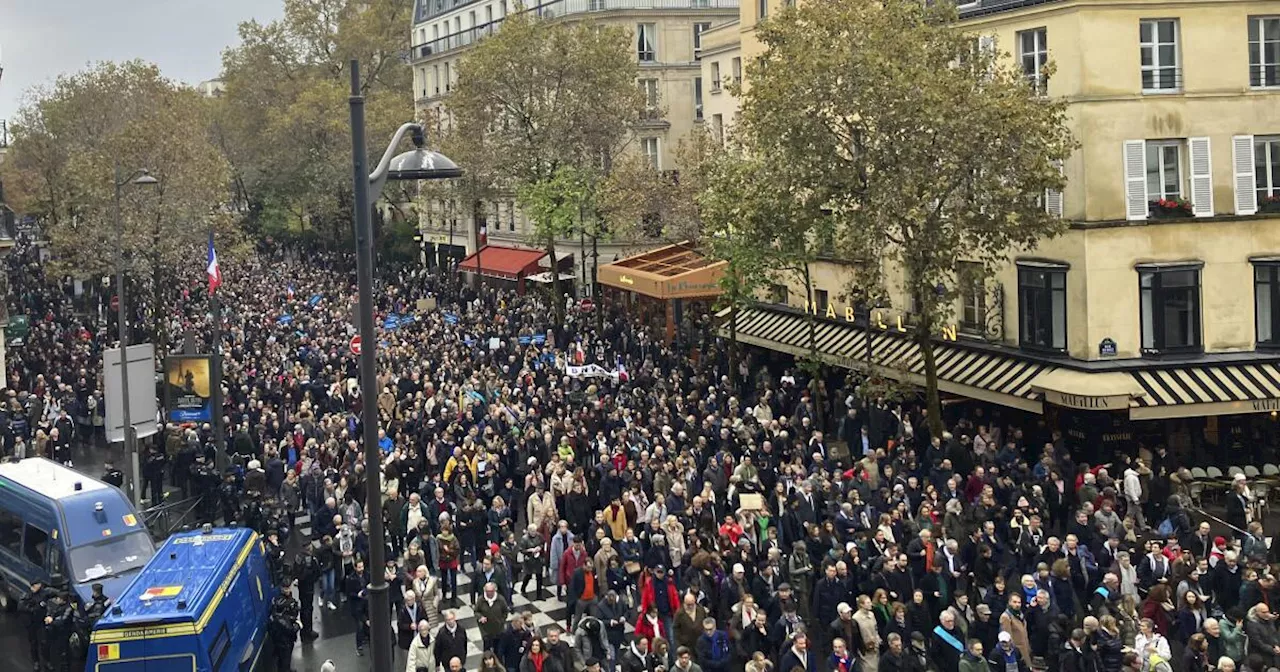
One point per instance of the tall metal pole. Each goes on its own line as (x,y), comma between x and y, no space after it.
(379,605)
(215,385)
(130,437)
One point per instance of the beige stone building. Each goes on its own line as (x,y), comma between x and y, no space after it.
(1143,322)
(668,43)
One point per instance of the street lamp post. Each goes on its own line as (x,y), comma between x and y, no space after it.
(418,164)
(140,178)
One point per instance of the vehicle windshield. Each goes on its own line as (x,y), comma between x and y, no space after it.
(111,557)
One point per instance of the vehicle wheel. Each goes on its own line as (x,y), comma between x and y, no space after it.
(7,603)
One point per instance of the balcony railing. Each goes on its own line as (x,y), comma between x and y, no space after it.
(558,8)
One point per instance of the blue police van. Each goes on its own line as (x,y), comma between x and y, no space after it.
(200,605)
(57,525)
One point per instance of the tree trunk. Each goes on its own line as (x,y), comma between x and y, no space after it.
(557,300)
(815,375)
(932,401)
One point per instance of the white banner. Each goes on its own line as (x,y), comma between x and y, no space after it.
(589,371)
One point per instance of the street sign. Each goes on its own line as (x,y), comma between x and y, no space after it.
(355,345)
(115,302)
(586,305)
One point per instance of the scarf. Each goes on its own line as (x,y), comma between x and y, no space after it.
(928,557)
(538,659)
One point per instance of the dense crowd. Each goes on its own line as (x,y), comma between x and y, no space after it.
(692,517)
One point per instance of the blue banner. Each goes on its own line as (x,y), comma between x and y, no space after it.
(450,318)
(284,319)
(314,300)
(539,339)
(525,340)
(392,322)
(469,341)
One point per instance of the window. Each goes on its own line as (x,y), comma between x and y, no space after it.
(697,98)
(973,296)
(219,647)
(596,6)
(448,80)
(511,216)
(649,87)
(1164,169)
(821,300)
(11,532)
(698,30)
(762,9)
(779,294)
(1264,51)
(646,41)
(1033,53)
(715,77)
(35,546)
(1042,308)
(1170,299)
(1266,167)
(435,78)
(651,153)
(1266,301)
(737,69)
(1159,47)
(717,127)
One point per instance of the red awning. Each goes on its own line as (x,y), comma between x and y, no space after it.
(509,263)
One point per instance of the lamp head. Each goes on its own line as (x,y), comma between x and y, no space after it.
(422,164)
(145,179)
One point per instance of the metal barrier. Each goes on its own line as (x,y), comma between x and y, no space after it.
(168,517)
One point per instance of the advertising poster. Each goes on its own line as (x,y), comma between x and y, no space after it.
(188,388)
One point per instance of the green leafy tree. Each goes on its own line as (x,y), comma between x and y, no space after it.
(925,149)
(554,100)
(283,120)
(68,141)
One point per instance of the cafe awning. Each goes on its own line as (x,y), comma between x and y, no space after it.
(1196,391)
(671,272)
(508,263)
(969,371)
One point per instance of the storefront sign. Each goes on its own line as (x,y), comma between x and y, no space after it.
(1266,405)
(1088,402)
(1107,347)
(947,333)
(626,280)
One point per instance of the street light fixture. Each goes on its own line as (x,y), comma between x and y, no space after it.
(138,178)
(416,164)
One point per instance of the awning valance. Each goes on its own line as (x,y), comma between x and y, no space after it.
(971,372)
(1207,390)
(508,263)
(671,272)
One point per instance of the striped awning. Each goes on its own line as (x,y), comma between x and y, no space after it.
(968,371)
(1207,390)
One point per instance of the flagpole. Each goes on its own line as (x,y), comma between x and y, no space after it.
(215,385)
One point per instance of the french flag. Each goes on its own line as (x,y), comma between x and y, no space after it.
(215,275)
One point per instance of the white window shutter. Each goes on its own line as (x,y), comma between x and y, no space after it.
(1053,198)
(1135,180)
(986,43)
(1242,168)
(1201,177)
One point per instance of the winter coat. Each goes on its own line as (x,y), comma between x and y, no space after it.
(419,655)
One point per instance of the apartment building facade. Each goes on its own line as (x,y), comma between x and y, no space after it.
(1156,317)
(667,38)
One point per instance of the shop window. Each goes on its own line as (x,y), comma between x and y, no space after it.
(1170,298)
(821,300)
(973,296)
(1266,301)
(1042,308)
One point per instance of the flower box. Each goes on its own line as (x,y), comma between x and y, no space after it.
(1270,204)
(1171,208)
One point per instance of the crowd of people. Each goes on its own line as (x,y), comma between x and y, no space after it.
(693,516)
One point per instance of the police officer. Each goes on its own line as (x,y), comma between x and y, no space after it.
(203,482)
(284,627)
(60,624)
(275,556)
(34,608)
(97,607)
(229,496)
(153,472)
(306,569)
(113,476)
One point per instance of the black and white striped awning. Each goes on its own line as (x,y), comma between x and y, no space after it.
(968,371)
(1207,390)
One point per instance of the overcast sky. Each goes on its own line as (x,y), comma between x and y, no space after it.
(42,39)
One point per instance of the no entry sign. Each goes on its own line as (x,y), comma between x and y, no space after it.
(355,345)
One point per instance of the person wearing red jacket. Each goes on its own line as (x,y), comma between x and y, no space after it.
(572,559)
(658,593)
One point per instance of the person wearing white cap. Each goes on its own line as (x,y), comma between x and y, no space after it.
(1238,505)
(1006,656)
